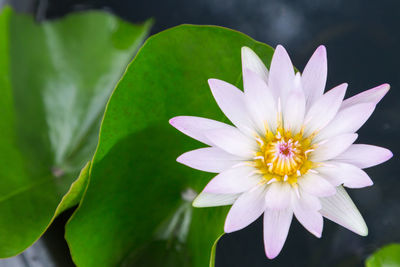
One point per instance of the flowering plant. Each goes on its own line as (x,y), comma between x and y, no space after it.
(291,150)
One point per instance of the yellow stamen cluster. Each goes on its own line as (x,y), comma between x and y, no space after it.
(283,156)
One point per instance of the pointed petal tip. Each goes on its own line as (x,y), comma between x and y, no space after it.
(195,203)
(252,61)
(321,49)
(178,120)
(367,182)
(364,156)
(198,202)
(341,89)
(211,82)
(271,254)
(316,234)
(280,49)
(279,46)
(246,49)
(314,75)
(246,52)
(216,84)
(361,230)
(384,86)
(172,121)
(380,91)
(373,95)
(389,154)
(181,159)
(320,54)
(217,87)
(386,155)
(364,231)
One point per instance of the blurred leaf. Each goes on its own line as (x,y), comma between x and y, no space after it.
(388,256)
(136,210)
(55,78)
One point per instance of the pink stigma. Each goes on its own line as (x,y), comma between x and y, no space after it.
(285,149)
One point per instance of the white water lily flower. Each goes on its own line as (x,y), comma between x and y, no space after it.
(291,150)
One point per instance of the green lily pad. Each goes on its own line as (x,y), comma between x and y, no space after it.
(137,208)
(55,79)
(388,256)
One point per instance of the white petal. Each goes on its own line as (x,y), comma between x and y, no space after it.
(278,195)
(246,209)
(341,209)
(259,101)
(231,101)
(281,73)
(314,75)
(373,95)
(309,218)
(205,199)
(233,141)
(348,120)
(308,201)
(233,181)
(209,159)
(365,156)
(333,147)
(328,173)
(276,228)
(195,127)
(295,106)
(324,109)
(251,61)
(315,185)
(350,175)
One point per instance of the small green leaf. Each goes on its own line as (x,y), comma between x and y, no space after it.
(388,256)
(55,79)
(136,207)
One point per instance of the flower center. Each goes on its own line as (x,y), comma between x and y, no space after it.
(285,149)
(283,157)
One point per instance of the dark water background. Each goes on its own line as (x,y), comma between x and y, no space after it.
(363,42)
